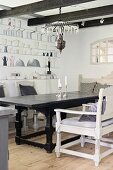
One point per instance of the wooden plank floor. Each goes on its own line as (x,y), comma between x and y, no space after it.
(24,157)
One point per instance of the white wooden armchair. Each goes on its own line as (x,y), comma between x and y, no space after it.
(96,130)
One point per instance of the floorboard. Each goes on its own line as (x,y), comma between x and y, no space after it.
(24,157)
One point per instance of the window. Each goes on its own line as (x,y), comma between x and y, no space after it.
(102,51)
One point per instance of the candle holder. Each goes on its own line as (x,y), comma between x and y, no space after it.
(65,93)
(59,95)
(49,65)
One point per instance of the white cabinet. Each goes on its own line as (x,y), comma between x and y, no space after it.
(43,86)
(46,86)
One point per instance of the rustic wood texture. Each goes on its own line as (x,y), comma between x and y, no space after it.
(45,100)
(71,16)
(24,157)
(39,6)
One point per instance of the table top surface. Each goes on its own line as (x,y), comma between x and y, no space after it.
(47,99)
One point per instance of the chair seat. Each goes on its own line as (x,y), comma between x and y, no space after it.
(74,121)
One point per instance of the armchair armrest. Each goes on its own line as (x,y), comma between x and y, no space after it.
(88,104)
(74,112)
(59,111)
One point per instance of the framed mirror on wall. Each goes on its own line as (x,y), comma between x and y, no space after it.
(102,51)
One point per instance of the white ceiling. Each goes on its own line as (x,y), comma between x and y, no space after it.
(14,3)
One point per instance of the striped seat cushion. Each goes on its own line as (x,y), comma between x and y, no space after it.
(92,108)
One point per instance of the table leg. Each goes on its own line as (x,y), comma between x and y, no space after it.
(18,125)
(49,146)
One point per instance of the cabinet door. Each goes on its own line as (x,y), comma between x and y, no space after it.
(46,86)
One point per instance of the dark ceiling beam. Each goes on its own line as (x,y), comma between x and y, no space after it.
(96,22)
(39,6)
(71,16)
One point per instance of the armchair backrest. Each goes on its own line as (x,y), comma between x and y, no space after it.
(2,94)
(27,90)
(107,95)
(21,86)
(3,89)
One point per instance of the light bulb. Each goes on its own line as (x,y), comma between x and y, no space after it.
(102,21)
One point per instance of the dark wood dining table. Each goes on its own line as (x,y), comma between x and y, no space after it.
(45,103)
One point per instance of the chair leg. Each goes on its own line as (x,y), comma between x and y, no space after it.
(82,139)
(35,118)
(25,127)
(97,152)
(58,144)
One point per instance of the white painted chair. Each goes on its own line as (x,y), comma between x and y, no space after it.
(95,130)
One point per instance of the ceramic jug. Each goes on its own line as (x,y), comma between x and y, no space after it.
(4,61)
(5,49)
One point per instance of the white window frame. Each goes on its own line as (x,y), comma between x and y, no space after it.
(96,52)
